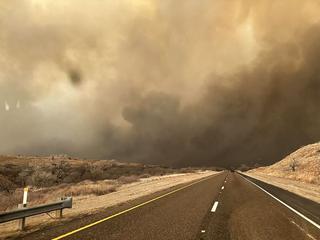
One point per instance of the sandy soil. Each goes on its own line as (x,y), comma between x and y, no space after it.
(91,204)
(303,179)
(306,161)
(306,190)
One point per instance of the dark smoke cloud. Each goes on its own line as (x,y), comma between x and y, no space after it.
(168,82)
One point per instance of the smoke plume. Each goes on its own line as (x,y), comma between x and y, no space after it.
(178,83)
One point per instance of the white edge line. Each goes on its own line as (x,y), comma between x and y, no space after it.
(291,208)
(214,207)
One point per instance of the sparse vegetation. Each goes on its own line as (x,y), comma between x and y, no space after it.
(128,179)
(11,200)
(51,171)
(56,176)
(145,175)
(293,165)
(6,185)
(302,165)
(87,188)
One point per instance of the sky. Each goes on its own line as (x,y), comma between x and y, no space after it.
(178,83)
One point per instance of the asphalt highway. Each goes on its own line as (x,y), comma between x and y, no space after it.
(224,206)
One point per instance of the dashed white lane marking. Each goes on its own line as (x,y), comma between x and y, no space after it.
(222,187)
(214,207)
(283,203)
(301,229)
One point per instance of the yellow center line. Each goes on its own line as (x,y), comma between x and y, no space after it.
(130,209)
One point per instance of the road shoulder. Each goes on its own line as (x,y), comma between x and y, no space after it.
(305,190)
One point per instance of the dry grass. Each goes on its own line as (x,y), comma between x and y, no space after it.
(88,188)
(53,177)
(128,179)
(37,196)
(146,175)
(9,201)
(299,172)
(303,165)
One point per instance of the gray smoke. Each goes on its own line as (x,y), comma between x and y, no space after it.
(170,82)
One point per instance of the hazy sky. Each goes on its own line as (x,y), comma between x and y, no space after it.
(174,82)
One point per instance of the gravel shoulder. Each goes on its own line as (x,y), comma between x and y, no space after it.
(306,190)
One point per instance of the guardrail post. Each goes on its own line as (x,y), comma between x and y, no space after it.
(59,213)
(22,221)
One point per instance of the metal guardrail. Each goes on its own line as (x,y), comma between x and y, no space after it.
(25,212)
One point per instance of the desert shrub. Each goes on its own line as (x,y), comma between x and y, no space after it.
(41,178)
(10,200)
(155,171)
(105,165)
(98,191)
(92,171)
(83,170)
(60,170)
(87,188)
(11,171)
(37,197)
(54,171)
(145,175)
(128,179)
(22,177)
(44,175)
(293,165)
(73,177)
(188,170)
(6,185)
(96,172)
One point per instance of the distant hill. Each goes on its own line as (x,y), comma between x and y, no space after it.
(302,165)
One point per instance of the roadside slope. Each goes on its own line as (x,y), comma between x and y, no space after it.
(299,172)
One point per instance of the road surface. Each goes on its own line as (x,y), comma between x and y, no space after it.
(223,206)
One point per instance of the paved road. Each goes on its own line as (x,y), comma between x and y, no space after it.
(307,207)
(246,212)
(225,206)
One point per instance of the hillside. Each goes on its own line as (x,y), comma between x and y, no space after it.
(302,165)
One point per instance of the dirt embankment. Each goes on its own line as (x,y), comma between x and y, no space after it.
(302,165)
(299,172)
